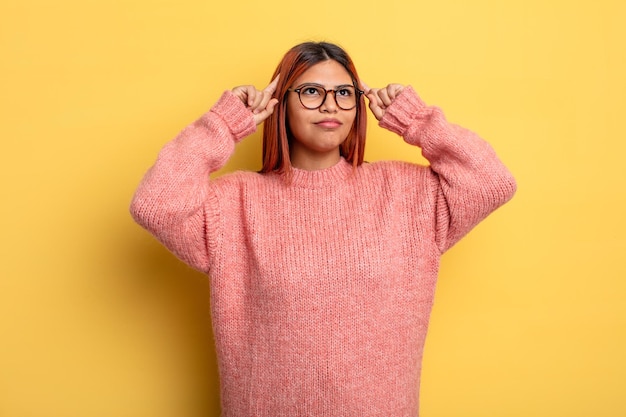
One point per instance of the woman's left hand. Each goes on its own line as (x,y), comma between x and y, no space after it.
(381,98)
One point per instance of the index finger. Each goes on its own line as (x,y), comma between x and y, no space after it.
(271,88)
(366,89)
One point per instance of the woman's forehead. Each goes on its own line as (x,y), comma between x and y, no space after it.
(327,73)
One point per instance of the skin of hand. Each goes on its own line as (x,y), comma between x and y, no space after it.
(260,103)
(381,98)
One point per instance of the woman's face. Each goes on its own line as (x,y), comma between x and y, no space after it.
(317,134)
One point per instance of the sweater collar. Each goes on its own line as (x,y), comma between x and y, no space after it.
(321,178)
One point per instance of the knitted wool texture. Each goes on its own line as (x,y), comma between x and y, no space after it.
(321,287)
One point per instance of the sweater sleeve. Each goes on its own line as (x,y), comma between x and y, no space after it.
(467,180)
(173,200)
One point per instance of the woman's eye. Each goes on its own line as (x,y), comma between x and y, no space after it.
(310,91)
(345,92)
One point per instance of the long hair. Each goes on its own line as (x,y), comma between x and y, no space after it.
(275,132)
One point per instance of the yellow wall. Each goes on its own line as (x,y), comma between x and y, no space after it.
(96,319)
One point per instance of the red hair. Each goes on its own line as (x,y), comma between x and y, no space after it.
(275,133)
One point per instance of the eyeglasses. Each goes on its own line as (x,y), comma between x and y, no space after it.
(313,96)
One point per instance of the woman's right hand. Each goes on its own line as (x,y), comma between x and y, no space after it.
(260,103)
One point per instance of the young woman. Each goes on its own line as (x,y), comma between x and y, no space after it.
(322,267)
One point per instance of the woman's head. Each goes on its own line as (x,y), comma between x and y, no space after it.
(330,63)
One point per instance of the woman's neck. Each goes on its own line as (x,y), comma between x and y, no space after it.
(312,161)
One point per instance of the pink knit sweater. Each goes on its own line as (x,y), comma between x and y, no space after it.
(321,288)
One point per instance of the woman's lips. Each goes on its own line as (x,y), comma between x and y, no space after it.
(329,123)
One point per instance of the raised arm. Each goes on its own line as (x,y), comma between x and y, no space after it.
(173,201)
(468,181)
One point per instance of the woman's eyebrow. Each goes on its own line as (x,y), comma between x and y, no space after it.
(323,86)
(310,83)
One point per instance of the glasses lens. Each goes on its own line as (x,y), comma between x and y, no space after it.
(312,96)
(346,97)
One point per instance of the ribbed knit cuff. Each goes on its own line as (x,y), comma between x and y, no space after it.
(237,117)
(404,110)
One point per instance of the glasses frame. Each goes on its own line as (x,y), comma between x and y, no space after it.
(358,92)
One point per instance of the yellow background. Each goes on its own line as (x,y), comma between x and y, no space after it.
(96,319)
